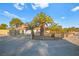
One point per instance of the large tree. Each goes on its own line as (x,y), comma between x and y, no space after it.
(3,26)
(41,20)
(15,22)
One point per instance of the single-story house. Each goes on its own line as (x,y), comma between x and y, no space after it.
(23,28)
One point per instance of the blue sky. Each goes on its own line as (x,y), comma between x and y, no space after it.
(64,14)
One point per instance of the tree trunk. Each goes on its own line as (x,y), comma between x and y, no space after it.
(32,33)
(42,30)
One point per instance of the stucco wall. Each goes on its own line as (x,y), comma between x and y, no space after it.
(4,32)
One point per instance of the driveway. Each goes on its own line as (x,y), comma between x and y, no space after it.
(23,46)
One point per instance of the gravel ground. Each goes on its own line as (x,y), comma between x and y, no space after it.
(23,46)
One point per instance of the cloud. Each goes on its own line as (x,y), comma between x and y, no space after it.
(75,8)
(8,14)
(62,17)
(39,5)
(11,15)
(19,6)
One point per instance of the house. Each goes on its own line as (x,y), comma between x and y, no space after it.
(37,30)
(23,28)
(47,32)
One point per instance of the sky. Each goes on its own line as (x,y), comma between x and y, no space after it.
(65,14)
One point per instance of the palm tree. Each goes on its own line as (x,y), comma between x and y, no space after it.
(14,23)
(41,20)
(56,29)
(31,27)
